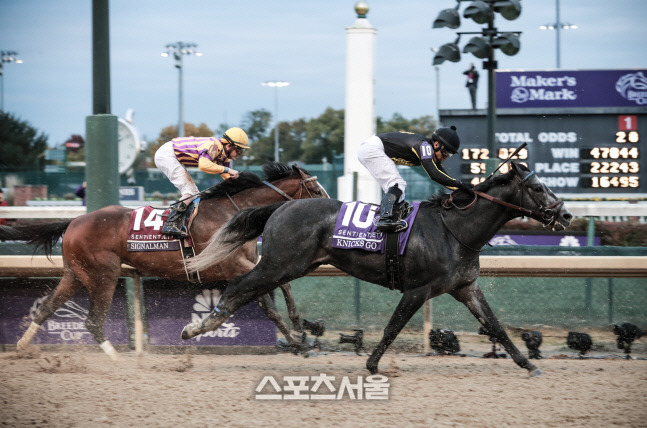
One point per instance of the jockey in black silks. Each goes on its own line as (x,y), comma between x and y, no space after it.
(381,153)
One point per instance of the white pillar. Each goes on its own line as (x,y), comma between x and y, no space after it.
(359,122)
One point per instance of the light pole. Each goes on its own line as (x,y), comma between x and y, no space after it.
(276,84)
(178,50)
(435,50)
(7,56)
(558,26)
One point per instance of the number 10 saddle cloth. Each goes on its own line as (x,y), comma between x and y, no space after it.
(356,228)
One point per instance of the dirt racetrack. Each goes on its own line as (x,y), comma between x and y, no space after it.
(61,389)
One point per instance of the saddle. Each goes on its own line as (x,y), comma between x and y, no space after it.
(392,249)
(144,233)
(356,229)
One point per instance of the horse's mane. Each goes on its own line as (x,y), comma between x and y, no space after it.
(484,186)
(246,180)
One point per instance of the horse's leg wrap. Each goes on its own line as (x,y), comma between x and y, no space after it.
(110,350)
(28,336)
(210,323)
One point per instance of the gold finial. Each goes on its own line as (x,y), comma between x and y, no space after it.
(361,7)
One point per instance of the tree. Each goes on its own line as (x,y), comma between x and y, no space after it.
(425,125)
(292,135)
(75,146)
(20,146)
(302,140)
(257,126)
(323,135)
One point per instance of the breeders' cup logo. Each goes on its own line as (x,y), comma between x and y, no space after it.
(68,322)
(204,304)
(633,87)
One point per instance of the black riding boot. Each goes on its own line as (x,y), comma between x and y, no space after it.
(174,225)
(389,213)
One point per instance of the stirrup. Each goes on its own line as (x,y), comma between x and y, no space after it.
(179,206)
(174,231)
(405,209)
(388,225)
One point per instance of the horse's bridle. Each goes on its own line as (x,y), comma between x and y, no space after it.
(545,215)
(302,186)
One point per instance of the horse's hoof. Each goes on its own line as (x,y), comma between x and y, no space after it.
(110,350)
(187,332)
(536,372)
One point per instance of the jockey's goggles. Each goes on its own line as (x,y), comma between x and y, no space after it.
(238,149)
(445,153)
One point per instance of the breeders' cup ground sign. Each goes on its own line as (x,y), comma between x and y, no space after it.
(571,88)
(18,305)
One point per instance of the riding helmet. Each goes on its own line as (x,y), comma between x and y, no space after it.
(237,136)
(448,138)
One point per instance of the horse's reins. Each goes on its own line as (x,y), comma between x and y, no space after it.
(456,237)
(302,185)
(545,215)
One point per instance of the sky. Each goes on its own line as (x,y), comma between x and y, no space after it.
(246,42)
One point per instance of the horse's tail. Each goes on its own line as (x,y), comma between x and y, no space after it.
(41,236)
(246,225)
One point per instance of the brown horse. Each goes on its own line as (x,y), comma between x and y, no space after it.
(94,247)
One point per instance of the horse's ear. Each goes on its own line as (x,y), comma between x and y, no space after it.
(301,172)
(518,168)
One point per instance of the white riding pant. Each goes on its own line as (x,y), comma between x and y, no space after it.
(382,168)
(166,162)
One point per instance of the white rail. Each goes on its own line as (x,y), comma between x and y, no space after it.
(579,209)
(59,212)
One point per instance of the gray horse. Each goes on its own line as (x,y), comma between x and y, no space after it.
(442,255)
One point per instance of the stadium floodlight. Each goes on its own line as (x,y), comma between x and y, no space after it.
(483,46)
(447,18)
(447,52)
(508,43)
(479,11)
(509,9)
(478,46)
